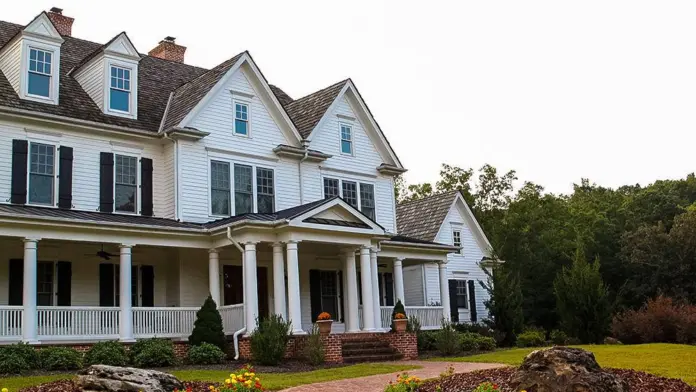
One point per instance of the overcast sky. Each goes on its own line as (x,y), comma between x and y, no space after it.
(556,90)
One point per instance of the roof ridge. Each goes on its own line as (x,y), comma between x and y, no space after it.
(208,71)
(320,90)
(436,194)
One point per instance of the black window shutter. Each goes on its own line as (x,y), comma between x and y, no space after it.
(16,283)
(146,190)
(389,288)
(106,182)
(147,273)
(315,293)
(340,292)
(380,289)
(106,284)
(64,269)
(20,152)
(472,301)
(454,310)
(65,178)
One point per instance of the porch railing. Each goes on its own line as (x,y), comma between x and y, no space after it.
(430,317)
(232,318)
(11,323)
(77,323)
(163,322)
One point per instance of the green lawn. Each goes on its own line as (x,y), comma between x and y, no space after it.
(271,381)
(668,360)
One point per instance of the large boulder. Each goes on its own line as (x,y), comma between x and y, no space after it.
(564,369)
(119,379)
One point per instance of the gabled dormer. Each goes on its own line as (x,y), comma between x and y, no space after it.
(31,61)
(110,77)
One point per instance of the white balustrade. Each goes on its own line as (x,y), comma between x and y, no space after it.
(163,322)
(77,323)
(430,317)
(11,323)
(232,318)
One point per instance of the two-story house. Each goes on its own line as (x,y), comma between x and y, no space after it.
(132,186)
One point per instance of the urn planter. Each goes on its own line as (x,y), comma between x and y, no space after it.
(324,326)
(400,325)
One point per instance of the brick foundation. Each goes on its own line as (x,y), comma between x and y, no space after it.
(180,348)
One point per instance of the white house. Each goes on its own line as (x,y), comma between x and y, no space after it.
(133,186)
(446,218)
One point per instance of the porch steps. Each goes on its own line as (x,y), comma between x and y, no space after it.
(368,350)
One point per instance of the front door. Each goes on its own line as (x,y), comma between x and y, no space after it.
(234,287)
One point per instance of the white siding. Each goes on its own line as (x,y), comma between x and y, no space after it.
(91,78)
(413,286)
(163,184)
(10,61)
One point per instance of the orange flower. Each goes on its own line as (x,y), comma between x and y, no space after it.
(324,316)
(399,316)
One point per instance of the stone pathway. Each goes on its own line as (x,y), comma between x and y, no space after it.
(378,382)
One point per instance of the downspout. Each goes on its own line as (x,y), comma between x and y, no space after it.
(235,337)
(305,145)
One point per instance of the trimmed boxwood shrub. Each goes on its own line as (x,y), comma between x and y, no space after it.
(475,342)
(27,353)
(153,353)
(60,358)
(205,354)
(486,343)
(531,338)
(10,363)
(107,353)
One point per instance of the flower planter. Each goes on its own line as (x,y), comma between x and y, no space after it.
(400,325)
(324,326)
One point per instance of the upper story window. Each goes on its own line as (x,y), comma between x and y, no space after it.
(350,193)
(346,139)
(243,189)
(220,188)
(120,89)
(331,188)
(42,172)
(265,191)
(241,119)
(367,200)
(364,200)
(125,183)
(40,69)
(249,196)
(457,237)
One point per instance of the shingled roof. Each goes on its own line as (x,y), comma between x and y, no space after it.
(422,218)
(306,112)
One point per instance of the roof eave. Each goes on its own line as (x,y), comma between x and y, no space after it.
(401,244)
(191,134)
(291,152)
(391,170)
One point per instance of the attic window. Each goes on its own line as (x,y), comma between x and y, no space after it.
(40,62)
(241,119)
(120,89)
(346,139)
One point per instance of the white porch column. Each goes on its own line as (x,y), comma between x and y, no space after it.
(214,275)
(374,269)
(29,324)
(279,281)
(125,296)
(250,284)
(294,289)
(351,276)
(366,281)
(399,280)
(444,291)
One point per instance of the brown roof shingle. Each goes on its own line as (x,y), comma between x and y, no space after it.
(422,218)
(306,112)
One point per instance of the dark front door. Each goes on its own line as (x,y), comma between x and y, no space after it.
(234,287)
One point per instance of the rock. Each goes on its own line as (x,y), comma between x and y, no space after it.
(119,379)
(564,369)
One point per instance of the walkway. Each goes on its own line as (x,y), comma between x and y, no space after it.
(378,382)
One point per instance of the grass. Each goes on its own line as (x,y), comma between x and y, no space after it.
(270,381)
(667,360)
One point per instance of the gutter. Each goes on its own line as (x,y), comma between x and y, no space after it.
(235,337)
(418,245)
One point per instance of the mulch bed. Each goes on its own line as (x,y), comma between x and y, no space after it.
(69,386)
(637,381)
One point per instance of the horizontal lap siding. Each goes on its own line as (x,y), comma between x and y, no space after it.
(10,63)
(91,78)
(7,133)
(413,286)
(164,183)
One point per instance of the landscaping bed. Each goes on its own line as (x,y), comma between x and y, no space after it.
(466,382)
(69,386)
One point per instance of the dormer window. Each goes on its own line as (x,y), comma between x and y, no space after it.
(346,139)
(120,89)
(39,78)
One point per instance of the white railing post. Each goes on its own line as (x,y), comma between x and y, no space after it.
(29,316)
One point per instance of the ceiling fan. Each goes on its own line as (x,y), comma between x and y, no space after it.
(101,253)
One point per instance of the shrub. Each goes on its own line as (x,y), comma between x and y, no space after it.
(270,339)
(60,358)
(398,308)
(447,339)
(427,340)
(660,320)
(477,328)
(314,350)
(504,303)
(205,354)
(107,353)
(10,363)
(413,324)
(471,341)
(531,338)
(559,338)
(611,341)
(27,353)
(208,326)
(153,353)
(486,343)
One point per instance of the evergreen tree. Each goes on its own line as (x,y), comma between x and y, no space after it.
(398,308)
(505,304)
(208,326)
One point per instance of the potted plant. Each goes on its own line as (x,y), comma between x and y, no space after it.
(400,322)
(324,322)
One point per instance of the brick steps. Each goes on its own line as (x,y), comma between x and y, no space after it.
(368,349)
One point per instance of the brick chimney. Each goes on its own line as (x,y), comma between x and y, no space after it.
(168,49)
(62,23)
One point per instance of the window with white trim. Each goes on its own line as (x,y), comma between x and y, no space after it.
(44,283)
(457,237)
(367,200)
(241,118)
(362,198)
(346,139)
(120,89)
(220,188)
(125,183)
(40,73)
(243,189)
(42,173)
(462,294)
(349,191)
(252,189)
(331,188)
(265,195)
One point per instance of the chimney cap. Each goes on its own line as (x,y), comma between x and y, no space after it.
(57,10)
(169,38)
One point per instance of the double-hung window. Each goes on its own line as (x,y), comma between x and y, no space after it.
(350,193)
(367,200)
(40,66)
(462,301)
(42,170)
(265,191)
(362,198)
(331,188)
(241,119)
(243,189)
(346,139)
(120,89)
(220,188)
(457,237)
(126,183)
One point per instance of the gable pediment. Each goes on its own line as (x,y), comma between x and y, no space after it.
(122,46)
(336,214)
(42,27)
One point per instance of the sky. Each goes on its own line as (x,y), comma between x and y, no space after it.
(556,90)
